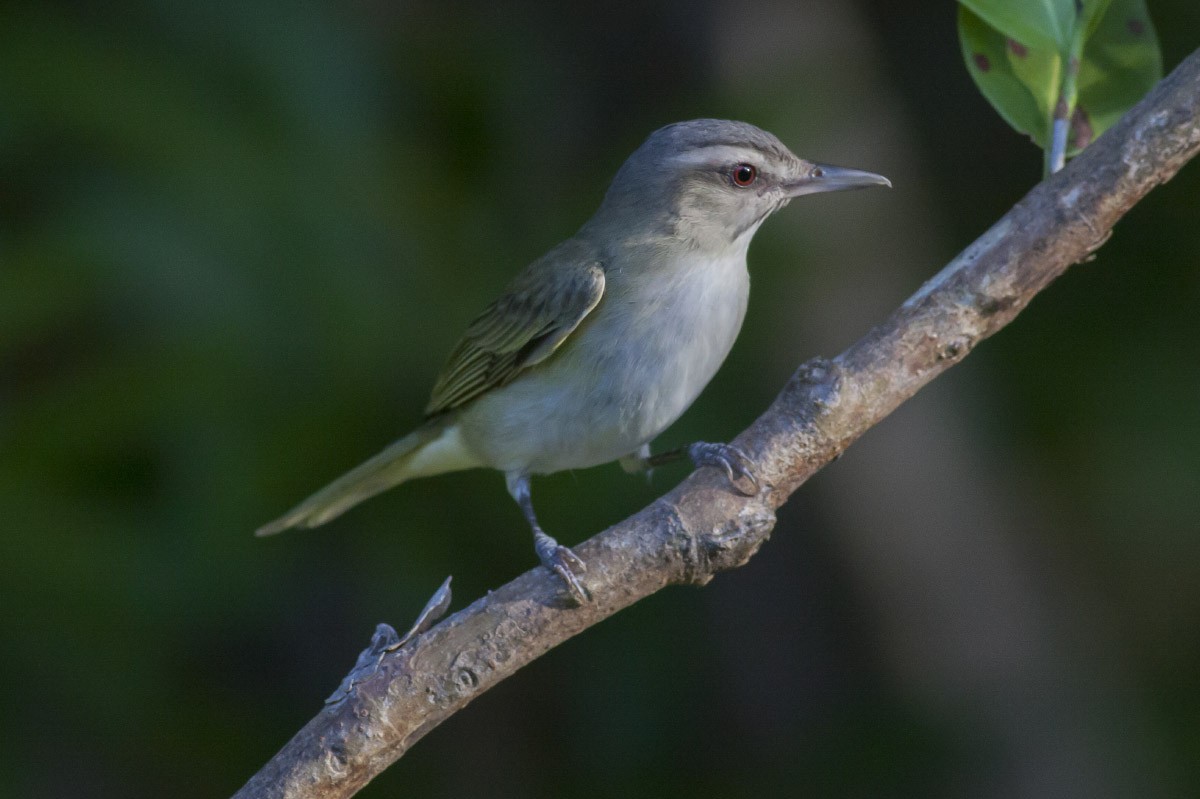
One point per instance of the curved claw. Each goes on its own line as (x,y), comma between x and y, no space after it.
(729,458)
(567,565)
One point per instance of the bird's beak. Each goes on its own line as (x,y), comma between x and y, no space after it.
(824,177)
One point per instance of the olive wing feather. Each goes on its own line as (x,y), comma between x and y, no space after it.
(535,315)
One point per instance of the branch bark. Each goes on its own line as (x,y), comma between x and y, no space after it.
(396,695)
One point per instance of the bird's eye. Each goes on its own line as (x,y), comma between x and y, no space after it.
(744,175)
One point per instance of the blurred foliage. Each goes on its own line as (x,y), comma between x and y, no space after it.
(238,238)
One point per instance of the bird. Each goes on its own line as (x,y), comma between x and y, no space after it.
(595,348)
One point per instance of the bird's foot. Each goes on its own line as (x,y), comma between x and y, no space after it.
(563,562)
(727,457)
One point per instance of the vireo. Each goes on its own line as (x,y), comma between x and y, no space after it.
(599,345)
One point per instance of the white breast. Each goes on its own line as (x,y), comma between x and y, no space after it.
(630,370)
(681,334)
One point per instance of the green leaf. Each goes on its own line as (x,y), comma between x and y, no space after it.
(1041,23)
(1121,62)
(1093,12)
(985,50)
(1018,62)
(1040,71)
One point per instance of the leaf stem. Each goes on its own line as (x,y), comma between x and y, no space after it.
(1064,107)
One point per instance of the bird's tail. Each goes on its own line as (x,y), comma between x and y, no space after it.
(399,462)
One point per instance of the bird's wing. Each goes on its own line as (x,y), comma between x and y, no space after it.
(534,316)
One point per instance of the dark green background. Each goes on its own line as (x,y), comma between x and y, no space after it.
(236,241)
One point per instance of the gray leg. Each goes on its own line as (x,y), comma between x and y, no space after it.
(726,456)
(554,556)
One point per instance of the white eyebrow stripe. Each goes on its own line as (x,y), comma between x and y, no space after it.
(715,155)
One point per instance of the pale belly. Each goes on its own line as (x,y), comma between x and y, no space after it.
(621,379)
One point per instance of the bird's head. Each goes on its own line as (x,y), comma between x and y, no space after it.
(712,181)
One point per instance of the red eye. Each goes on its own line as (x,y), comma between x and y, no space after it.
(744,175)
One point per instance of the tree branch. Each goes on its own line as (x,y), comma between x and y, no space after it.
(400,690)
